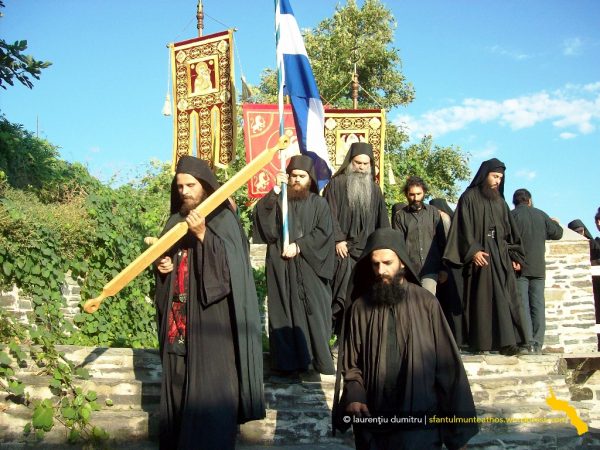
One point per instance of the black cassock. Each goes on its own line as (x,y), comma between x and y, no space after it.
(299,295)
(401,360)
(349,226)
(216,382)
(492,307)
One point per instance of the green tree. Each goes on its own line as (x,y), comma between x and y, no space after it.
(32,163)
(440,167)
(353,36)
(15,64)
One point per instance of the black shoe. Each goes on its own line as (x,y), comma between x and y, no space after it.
(537,349)
(525,350)
(509,350)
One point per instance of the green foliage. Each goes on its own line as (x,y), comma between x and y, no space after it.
(121,221)
(15,65)
(93,233)
(70,406)
(362,37)
(260,280)
(440,167)
(32,164)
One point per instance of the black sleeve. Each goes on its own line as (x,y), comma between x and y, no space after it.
(216,282)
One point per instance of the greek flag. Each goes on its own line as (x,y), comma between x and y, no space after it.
(296,79)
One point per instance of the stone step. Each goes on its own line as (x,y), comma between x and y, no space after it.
(485,365)
(490,390)
(122,425)
(135,394)
(299,414)
(530,427)
(279,426)
(124,394)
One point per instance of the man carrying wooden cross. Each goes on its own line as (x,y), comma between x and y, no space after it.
(209,326)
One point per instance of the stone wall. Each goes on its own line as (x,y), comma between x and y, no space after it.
(21,306)
(570,312)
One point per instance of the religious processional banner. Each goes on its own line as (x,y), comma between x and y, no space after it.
(343,127)
(204,99)
(261,131)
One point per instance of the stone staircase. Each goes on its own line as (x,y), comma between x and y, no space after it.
(513,388)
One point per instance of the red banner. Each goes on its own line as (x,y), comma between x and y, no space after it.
(261,131)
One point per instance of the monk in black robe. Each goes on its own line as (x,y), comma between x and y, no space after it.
(484,241)
(450,293)
(209,325)
(579,227)
(298,276)
(403,375)
(358,209)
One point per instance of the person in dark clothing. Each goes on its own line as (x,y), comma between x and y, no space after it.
(395,208)
(399,360)
(579,227)
(535,228)
(450,293)
(299,294)
(358,208)
(423,232)
(208,321)
(442,205)
(484,241)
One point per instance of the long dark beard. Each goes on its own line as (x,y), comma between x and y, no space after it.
(187,204)
(298,192)
(415,206)
(390,293)
(359,187)
(489,193)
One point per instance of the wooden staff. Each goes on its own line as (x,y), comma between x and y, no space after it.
(171,237)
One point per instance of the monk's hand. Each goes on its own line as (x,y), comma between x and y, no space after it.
(516,266)
(290,251)
(341,248)
(164,265)
(442,276)
(196,224)
(281,178)
(358,409)
(480,258)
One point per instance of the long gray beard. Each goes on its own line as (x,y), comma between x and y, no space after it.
(359,187)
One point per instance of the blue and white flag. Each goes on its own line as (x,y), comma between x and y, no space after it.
(296,79)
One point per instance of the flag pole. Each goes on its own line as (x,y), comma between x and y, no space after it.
(282,158)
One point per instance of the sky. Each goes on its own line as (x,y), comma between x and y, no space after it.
(510,79)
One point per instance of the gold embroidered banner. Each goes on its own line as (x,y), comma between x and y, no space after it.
(204,98)
(343,127)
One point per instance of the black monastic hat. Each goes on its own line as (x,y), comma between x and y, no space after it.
(305,163)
